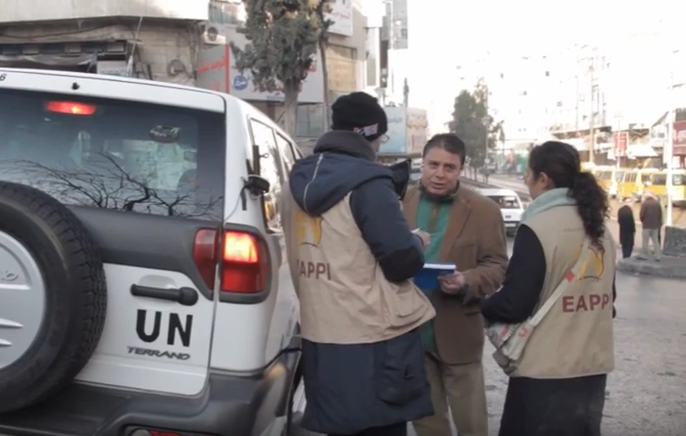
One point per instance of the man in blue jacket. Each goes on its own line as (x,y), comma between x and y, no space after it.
(352,257)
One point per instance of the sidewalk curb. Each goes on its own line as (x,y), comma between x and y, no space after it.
(665,268)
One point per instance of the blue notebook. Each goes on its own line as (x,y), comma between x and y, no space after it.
(428,276)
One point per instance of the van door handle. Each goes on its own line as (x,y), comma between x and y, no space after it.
(184,295)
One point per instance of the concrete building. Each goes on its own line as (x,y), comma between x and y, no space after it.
(395,56)
(352,64)
(153,39)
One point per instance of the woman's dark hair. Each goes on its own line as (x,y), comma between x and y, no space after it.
(449,142)
(561,163)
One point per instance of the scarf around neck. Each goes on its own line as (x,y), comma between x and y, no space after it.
(548,200)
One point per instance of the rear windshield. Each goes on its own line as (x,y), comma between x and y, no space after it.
(506,201)
(114,154)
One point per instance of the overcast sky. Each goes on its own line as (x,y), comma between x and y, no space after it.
(445,33)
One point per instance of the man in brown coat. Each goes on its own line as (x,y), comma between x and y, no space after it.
(467,230)
(651,221)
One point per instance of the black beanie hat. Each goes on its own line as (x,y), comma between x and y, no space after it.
(361,113)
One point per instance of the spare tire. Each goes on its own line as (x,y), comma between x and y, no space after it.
(53,296)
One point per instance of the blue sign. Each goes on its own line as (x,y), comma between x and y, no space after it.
(240,83)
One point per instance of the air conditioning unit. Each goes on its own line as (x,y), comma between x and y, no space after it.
(210,35)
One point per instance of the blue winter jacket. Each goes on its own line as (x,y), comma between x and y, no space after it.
(351,388)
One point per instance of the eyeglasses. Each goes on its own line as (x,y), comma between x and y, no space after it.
(384,138)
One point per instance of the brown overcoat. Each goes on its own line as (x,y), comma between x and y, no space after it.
(475,242)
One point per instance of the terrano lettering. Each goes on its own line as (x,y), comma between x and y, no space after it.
(316,270)
(157,353)
(584,303)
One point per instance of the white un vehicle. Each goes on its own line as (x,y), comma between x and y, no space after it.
(144,289)
(511,207)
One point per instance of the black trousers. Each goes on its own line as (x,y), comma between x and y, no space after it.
(390,430)
(563,407)
(627,250)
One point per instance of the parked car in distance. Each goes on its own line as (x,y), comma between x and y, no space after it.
(511,206)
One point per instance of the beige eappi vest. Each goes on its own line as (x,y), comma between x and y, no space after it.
(575,338)
(344,296)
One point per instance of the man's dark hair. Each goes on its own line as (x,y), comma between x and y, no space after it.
(449,142)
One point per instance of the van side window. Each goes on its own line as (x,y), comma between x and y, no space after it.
(263,137)
(286,152)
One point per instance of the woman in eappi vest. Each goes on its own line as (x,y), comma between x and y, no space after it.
(558,386)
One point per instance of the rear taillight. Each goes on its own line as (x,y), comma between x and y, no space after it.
(245,263)
(242,259)
(205,254)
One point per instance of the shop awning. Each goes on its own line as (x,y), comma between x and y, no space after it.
(640,150)
(49,61)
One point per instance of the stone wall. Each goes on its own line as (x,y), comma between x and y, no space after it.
(675,241)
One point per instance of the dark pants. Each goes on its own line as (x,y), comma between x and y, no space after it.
(627,250)
(391,430)
(554,407)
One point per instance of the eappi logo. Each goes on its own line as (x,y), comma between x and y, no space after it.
(308,229)
(593,264)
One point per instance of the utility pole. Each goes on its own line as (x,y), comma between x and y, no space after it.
(668,150)
(487,126)
(591,120)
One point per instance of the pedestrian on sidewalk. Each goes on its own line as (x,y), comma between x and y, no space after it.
(627,228)
(466,230)
(352,258)
(557,385)
(651,221)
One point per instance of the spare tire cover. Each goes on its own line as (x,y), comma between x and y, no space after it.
(52,296)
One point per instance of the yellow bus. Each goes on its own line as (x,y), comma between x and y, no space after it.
(657,184)
(643,181)
(626,188)
(608,178)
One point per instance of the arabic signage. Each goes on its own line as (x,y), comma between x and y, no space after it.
(407,129)
(417,125)
(216,71)
(342,16)
(620,141)
(679,138)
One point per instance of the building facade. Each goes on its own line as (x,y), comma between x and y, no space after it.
(151,39)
